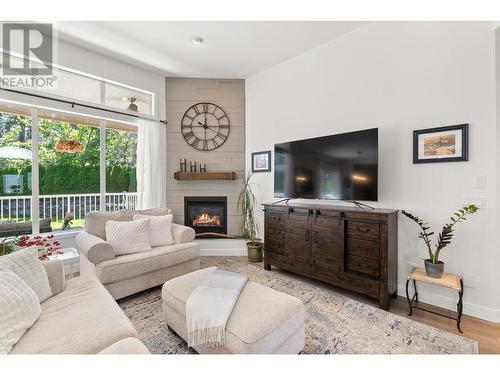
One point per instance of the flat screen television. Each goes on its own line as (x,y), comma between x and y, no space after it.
(341,166)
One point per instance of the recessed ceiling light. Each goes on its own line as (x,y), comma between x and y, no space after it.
(197,40)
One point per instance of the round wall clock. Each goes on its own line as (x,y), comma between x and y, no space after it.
(205,126)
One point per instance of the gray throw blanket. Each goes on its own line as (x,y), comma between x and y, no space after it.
(209,306)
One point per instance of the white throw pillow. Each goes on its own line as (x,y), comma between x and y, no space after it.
(160,229)
(25,264)
(19,309)
(128,237)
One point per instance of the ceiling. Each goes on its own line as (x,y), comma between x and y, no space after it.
(230,49)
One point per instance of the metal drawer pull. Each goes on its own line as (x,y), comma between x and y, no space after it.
(363,230)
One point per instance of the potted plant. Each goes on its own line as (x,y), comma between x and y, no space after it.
(249,225)
(433,266)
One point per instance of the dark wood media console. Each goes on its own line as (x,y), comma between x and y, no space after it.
(352,248)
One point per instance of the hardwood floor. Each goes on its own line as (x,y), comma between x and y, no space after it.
(487,334)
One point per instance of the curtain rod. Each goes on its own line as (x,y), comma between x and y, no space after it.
(73,104)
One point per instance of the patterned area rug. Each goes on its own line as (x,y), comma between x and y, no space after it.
(334,324)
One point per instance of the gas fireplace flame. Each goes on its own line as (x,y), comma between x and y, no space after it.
(206,220)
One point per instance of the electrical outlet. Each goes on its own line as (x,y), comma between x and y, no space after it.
(469,279)
(478,200)
(479,182)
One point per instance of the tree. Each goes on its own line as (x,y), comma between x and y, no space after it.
(65,173)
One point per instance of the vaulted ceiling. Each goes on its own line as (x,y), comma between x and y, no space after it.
(229,49)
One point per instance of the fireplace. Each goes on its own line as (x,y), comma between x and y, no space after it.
(206,215)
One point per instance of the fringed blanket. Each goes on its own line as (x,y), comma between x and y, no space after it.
(209,306)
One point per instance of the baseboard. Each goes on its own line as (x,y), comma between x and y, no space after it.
(222,247)
(478,311)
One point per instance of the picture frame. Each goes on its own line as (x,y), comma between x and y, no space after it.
(441,145)
(261,161)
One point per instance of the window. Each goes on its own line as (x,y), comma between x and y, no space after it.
(121,161)
(74,85)
(69,173)
(15,171)
(69,151)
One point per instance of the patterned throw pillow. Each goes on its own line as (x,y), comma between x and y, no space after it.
(19,309)
(160,229)
(25,264)
(128,237)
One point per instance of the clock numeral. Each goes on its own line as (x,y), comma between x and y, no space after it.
(224,126)
(189,117)
(223,136)
(195,143)
(196,110)
(215,142)
(220,118)
(205,145)
(204,107)
(189,135)
(186,126)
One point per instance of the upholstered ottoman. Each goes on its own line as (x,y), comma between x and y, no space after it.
(263,320)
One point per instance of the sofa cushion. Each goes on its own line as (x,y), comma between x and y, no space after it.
(25,264)
(19,309)
(128,266)
(95,221)
(83,319)
(262,319)
(130,345)
(129,237)
(160,229)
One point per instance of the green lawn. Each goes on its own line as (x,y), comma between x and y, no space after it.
(56,225)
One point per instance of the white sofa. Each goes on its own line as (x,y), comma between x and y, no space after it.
(81,317)
(128,274)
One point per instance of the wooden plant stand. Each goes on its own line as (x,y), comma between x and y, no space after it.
(448,280)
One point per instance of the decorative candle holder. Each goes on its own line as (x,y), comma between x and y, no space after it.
(193,167)
(203,167)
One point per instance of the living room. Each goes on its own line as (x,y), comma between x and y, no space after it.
(241,185)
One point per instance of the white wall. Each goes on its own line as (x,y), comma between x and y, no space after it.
(399,76)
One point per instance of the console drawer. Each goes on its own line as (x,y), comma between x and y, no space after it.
(275,246)
(359,229)
(363,248)
(288,264)
(350,282)
(276,232)
(275,218)
(363,265)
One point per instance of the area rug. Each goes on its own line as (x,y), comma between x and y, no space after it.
(334,324)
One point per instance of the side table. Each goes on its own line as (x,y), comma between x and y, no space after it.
(70,259)
(448,280)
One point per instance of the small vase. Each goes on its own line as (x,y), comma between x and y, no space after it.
(434,269)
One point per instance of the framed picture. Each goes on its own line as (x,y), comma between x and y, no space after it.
(438,145)
(261,161)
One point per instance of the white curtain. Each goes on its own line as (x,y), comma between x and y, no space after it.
(151,164)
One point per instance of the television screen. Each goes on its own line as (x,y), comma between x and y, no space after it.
(341,166)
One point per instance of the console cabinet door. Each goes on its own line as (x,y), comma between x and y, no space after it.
(298,238)
(327,246)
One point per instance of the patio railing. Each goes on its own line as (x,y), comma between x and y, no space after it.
(18,208)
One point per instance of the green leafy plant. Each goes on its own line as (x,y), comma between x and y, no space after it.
(7,245)
(444,238)
(246,201)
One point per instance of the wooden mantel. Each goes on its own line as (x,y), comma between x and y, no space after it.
(216,175)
